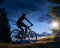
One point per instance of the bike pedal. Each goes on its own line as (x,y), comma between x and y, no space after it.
(17,36)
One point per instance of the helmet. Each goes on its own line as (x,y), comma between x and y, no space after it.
(24,14)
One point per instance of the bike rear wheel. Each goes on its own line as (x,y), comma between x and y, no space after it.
(32,36)
(15,33)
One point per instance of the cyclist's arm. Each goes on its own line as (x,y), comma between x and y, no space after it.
(28,20)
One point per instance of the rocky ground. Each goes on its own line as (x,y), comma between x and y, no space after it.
(43,43)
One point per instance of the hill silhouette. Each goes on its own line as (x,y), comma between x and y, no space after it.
(43,34)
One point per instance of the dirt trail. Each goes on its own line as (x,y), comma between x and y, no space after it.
(38,44)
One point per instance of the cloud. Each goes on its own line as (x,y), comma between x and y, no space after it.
(15,7)
(32,5)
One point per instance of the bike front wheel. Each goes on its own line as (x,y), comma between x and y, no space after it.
(32,36)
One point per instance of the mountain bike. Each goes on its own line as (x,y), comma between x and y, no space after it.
(30,35)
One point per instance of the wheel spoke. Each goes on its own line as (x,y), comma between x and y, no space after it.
(32,36)
(15,34)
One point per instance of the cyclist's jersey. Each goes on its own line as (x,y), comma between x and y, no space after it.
(20,20)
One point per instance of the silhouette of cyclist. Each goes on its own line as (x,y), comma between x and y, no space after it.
(20,23)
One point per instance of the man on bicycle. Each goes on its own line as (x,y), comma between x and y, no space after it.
(20,22)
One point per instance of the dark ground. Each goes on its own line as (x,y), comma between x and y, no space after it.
(38,44)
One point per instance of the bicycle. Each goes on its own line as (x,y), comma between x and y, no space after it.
(30,35)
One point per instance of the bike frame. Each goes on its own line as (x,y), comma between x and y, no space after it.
(27,34)
(28,29)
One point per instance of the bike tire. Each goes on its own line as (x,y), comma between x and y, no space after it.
(20,40)
(32,37)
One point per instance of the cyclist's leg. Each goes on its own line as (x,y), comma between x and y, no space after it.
(25,27)
(20,27)
(23,33)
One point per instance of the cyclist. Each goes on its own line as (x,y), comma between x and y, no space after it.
(20,23)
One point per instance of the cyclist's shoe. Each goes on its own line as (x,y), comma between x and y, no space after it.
(21,32)
(24,37)
(17,36)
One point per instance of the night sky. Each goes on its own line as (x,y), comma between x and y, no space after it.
(34,10)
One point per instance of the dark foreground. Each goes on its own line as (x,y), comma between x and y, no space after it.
(38,44)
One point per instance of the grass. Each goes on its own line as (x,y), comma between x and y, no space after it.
(49,43)
(33,45)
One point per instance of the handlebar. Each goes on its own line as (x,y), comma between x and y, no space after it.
(30,26)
